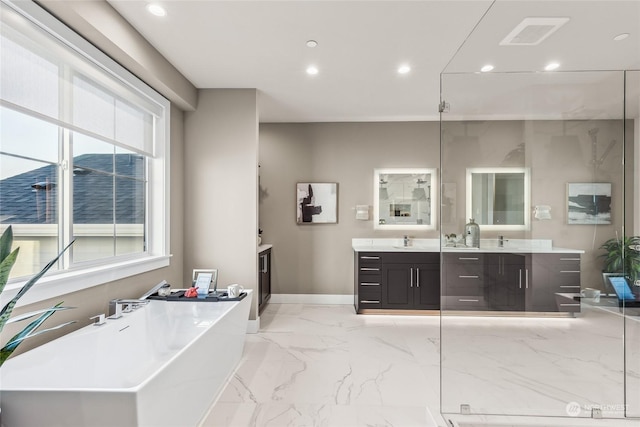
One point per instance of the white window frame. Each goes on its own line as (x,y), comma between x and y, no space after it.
(77,278)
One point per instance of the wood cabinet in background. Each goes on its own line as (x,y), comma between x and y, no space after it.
(526,282)
(411,281)
(471,281)
(264,278)
(397,281)
(554,274)
(463,281)
(368,280)
(507,281)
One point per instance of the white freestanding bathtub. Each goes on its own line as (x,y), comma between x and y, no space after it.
(163,364)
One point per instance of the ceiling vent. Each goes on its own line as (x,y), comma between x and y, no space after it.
(532,31)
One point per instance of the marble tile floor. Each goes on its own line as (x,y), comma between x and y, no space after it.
(323,365)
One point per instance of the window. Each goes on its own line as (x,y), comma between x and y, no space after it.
(83,153)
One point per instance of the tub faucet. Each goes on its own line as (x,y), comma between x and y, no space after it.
(119,306)
(98,319)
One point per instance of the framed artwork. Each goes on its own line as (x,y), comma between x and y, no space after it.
(317,202)
(589,203)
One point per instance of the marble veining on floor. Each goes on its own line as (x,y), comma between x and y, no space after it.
(321,365)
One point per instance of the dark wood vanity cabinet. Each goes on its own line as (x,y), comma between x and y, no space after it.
(554,274)
(507,281)
(510,281)
(471,281)
(411,281)
(463,281)
(397,280)
(368,280)
(264,278)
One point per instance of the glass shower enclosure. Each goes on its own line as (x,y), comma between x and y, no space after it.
(534,322)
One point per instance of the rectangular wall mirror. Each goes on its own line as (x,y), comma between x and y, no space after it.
(499,198)
(404,199)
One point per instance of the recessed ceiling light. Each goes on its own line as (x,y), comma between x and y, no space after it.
(312,43)
(551,66)
(621,37)
(404,69)
(156,9)
(486,68)
(312,70)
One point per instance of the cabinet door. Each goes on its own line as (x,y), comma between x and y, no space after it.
(426,291)
(264,279)
(397,285)
(507,275)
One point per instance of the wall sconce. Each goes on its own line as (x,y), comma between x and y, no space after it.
(362,212)
(542,212)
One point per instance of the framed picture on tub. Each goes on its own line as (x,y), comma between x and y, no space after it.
(589,203)
(317,203)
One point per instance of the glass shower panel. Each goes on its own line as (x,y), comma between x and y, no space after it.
(632,225)
(529,323)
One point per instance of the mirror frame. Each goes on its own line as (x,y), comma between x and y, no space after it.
(527,198)
(433,172)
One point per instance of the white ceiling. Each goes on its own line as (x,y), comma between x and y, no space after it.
(261,44)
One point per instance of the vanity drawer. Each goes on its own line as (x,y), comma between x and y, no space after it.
(411,258)
(466,287)
(370,259)
(369,297)
(369,282)
(464,302)
(558,259)
(369,273)
(568,304)
(463,259)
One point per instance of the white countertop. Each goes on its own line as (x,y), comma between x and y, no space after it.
(486,246)
(264,247)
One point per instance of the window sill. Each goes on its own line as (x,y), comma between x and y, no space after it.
(55,285)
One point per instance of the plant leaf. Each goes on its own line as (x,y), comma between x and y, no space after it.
(8,308)
(5,268)
(5,242)
(13,343)
(5,351)
(26,316)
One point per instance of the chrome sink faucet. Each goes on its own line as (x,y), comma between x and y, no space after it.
(406,241)
(501,241)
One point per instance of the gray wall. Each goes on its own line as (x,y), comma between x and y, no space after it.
(221,187)
(557,152)
(317,259)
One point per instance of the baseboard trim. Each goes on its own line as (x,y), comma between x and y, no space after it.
(311,299)
(253,326)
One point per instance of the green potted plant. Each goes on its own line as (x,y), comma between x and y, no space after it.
(622,256)
(7,260)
